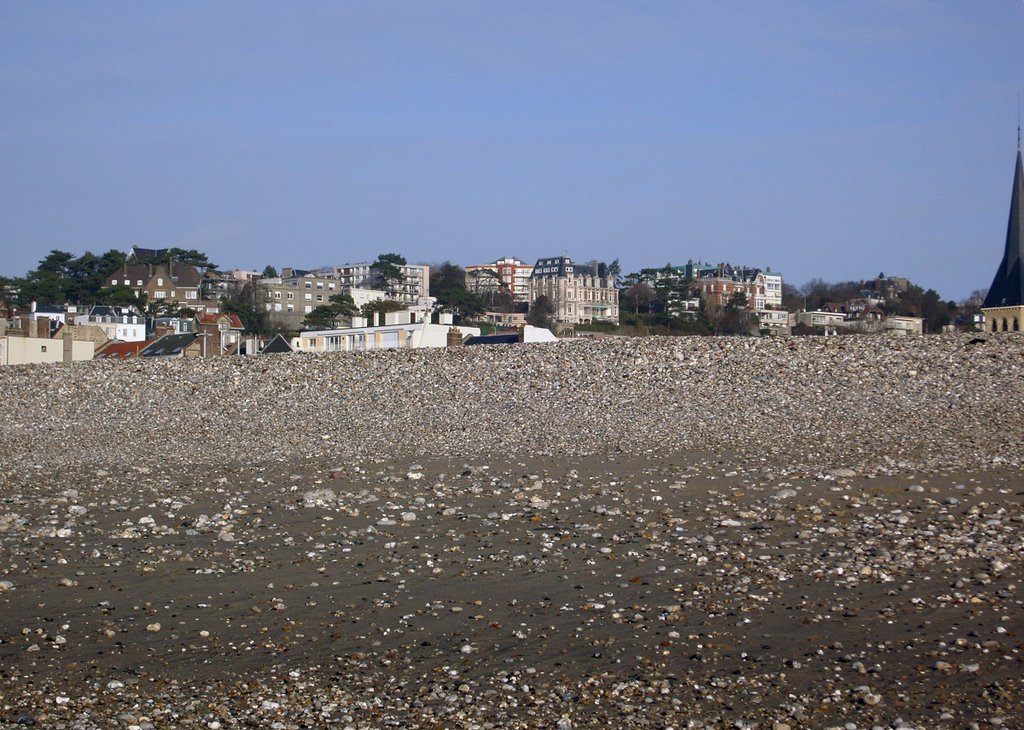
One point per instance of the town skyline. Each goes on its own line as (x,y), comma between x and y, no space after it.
(827,143)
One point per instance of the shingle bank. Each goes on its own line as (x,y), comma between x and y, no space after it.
(801,404)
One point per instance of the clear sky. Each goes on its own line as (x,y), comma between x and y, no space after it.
(823,139)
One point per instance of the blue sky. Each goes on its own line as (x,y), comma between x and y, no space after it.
(823,139)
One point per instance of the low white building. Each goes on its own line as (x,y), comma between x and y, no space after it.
(776,321)
(400,331)
(903,325)
(828,322)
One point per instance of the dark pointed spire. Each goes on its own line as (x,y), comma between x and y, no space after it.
(1007,288)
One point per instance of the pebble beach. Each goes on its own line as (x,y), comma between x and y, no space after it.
(622,533)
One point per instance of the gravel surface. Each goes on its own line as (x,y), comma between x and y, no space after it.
(695,532)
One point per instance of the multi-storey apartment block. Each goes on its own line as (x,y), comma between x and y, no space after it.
(414,286)
(580,293)
(290,297)
(508,273)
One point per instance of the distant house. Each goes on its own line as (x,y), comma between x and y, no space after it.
(184,345)
(223,333)
(821,321)
(776,321)
(53,312)
(117,323)
(172,282)
(903,325)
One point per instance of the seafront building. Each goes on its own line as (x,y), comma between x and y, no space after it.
(580,293)
(402,330)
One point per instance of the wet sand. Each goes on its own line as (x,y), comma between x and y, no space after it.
(690,589)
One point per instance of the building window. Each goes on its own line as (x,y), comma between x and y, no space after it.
(137,283)
(160,281)
(309,285)
(309,297)
(291,307)
(319,297)
(277,295)
(319,285)
(277,306)
(160,294)
(291,295)
(308,309)
(42,348)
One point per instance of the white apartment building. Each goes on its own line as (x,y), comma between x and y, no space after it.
(414,286)
(772,289)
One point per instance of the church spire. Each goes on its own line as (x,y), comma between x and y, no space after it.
(1007,288)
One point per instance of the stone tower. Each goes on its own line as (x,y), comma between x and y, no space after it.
(1004,305)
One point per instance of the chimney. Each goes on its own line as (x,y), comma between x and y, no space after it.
(69,345)
(43,328)
(454,338)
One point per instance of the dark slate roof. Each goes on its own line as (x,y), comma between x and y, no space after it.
(277,344)
(49,309)
(507,339)
(1007,288)
(145,254)
(106,310)
(169,345)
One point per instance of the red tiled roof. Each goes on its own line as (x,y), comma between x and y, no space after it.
(233,319)
(122,350)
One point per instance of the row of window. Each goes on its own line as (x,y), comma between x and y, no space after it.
(189,294)
(276,307)
(291,296)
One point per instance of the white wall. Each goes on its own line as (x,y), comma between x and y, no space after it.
(39,350)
